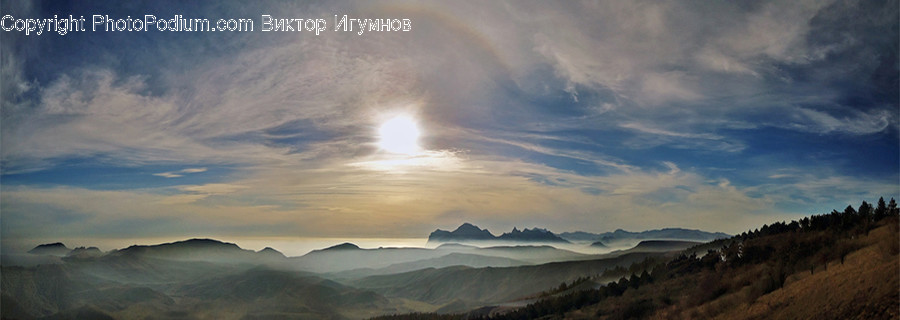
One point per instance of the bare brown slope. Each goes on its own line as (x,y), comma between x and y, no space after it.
(865,286)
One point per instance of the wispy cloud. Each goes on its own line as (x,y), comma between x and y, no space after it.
(657,131)
(594,115)
(701,141)
(855,122)
(179,173)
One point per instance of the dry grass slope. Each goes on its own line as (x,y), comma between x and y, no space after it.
(865,286)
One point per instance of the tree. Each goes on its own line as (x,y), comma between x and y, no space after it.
(645,277)
(880,210)
(865,213)
(892,208)
(848,217)
(849,211)
(865,209)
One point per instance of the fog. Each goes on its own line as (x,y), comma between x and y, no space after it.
(290,247)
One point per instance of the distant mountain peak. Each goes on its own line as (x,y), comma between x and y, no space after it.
(85,249)
(54,249)
(598,244)
(342,246)
(269,250)
(466,231)
(467,225)
(190,244)
(51,245)
(84,252)
(620,235)
(531,235)
(468,228)
(470,232)
(202,242)
(197,249)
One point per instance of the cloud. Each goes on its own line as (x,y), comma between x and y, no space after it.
(653,137)
(370,202)
(546,114)
(212,188)
(644,128)
(857,123)
(179,173)
(625,57)
(821,192)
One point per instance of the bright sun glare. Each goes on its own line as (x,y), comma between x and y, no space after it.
(399,135)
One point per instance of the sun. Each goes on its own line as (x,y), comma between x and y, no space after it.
(399,135)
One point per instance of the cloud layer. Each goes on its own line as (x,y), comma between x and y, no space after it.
(576,115)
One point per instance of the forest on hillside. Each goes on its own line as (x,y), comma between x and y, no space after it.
(842,264)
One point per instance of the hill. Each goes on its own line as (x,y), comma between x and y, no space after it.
(833,266)
(68,292)
(262,293)
(208,250)
(340,259)
(532,253)
(449,260)
(347,256)
(661,246)
(50,290)
(489,285)
(868,281)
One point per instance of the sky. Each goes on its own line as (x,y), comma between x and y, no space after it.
(575,115)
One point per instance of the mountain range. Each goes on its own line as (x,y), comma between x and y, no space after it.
(620,236)
(210,278)
(206,278)
(740,277)
(468,232)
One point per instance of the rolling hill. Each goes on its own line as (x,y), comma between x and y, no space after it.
(488,285)
(449,260)
(178,289)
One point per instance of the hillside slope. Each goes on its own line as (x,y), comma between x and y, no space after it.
(865,286)
(868,280)
(840,265)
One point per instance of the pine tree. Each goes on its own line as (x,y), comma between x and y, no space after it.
(865,209)
(848,217)
(865,214)
(880,210)
(892,208)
